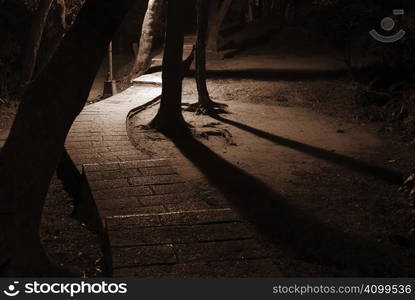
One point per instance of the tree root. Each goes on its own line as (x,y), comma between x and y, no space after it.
(218,104)
(223,133)
(209,109)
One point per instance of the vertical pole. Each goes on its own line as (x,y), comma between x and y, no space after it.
(110,70)
(110,86)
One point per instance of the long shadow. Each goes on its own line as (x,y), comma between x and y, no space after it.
(390,176)
(266,74)
(287,226)
(269,74)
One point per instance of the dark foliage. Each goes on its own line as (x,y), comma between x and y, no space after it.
(15,19)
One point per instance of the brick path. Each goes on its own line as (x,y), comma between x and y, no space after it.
(205,243)
(99,133)
(149,225)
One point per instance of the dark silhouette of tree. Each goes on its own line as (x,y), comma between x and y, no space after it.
(169,119)
(204,105)
(36,141)
(151,23)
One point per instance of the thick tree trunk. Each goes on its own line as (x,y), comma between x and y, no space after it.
(151,23)
(204,105)
(217,15)
(169,119)
(202,25)
(33,149)
(34,40)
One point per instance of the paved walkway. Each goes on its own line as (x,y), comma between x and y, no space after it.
(205,243)
(149,225)
(99,133)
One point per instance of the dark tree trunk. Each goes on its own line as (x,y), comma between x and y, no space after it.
(204,105)
(217,15)
(151,23)
(34,40)
(202,25)
(34,147)
(169,119)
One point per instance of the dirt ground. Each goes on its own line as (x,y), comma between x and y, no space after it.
(335,176)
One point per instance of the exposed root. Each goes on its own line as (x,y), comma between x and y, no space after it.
(218,104)
(211,125)
(199,109)
(224,133)
(144,127)
(211,109)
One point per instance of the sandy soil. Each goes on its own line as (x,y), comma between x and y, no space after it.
(324,165)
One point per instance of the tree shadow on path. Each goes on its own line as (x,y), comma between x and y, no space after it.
(387,175)
(276,219)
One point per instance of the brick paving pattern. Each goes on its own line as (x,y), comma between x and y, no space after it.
(150,227)
(99,133)
(205,243)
